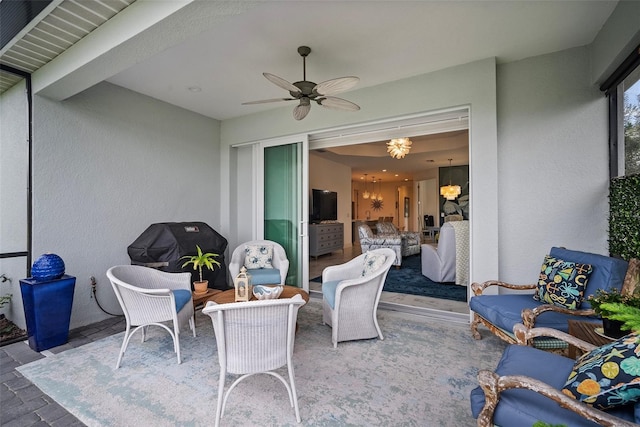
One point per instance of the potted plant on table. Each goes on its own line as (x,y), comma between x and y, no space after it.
(620,312)
(201,259)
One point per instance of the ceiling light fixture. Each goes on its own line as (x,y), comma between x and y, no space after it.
(365,193)
(399,147)
(374,196)
(450,192)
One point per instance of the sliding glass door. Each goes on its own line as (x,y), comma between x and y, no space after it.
(285,198)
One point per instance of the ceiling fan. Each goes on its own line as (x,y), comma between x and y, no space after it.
(306,91)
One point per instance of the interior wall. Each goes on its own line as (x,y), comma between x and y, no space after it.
(108,163)
(327,175)
(553,161)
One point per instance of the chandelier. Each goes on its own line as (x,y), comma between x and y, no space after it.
(450,192)
(399,147)
(365,193)
(380,187)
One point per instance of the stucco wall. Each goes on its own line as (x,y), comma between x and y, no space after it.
(472,85)
(107,163)
(14,149)
(553,161)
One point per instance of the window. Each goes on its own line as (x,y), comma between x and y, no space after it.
(623,91)
(629,144)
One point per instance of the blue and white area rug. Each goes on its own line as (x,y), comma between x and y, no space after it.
(408,279)
(419,375)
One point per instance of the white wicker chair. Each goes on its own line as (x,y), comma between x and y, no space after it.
(255,337)
(279,261)
(354,315)
(148,297)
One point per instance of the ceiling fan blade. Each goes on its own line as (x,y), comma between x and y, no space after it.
(264,101)
(301,111)
(338,85)
(278,81)
(337,103)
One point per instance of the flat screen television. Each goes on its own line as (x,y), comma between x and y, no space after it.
(324,205)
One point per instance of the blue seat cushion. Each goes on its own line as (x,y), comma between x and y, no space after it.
(264,276)
(607,272)
(181,296)
(329,292)
(504,311)
(520,407)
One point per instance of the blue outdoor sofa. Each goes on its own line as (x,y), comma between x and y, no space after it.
(500,313)
(530,385)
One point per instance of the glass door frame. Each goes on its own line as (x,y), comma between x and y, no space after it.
(303,209)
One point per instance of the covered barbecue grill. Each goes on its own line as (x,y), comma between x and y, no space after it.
(162,245)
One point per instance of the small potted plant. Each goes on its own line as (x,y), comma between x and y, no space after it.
(620,313)
(201,259)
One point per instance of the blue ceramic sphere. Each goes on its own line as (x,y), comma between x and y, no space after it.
(47,267)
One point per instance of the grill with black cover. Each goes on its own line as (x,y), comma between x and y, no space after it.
(162,246)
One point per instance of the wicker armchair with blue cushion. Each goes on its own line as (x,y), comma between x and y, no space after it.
(266,261)
(369,242)
(410,240)
(529,385)
(566,280)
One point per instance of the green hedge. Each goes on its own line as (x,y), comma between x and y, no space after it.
(624,217)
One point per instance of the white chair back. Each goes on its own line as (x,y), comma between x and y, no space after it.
(255,337)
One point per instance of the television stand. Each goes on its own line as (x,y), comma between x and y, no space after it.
(325,238)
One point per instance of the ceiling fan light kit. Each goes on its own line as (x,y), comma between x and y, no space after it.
(399,147)
(306,91)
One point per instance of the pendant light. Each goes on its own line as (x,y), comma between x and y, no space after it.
(374,196)
(380,192)
(450,192)
(365,194)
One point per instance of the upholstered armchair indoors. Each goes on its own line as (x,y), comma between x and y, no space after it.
(560,295)
(150,297)
(449,262)
(351,293)
(531,385)
(369,242)
(410,244)
(265,260)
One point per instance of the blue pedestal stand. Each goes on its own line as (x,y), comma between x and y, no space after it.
(47,310)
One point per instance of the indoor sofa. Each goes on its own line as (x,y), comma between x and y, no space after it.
(500,313)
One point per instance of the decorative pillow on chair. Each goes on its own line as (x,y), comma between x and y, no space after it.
(258,256)
(372,262)
(562,283)
(607,376)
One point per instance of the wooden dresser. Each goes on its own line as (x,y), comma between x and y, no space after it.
(325,238)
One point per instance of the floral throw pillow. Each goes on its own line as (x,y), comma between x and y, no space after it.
(372,262)
(562,283)
(607,376)
(258,256)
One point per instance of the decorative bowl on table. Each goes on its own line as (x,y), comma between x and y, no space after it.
(267,292)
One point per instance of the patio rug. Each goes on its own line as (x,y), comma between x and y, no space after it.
(408,279)
(419,375)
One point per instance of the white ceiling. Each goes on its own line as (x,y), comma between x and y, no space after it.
(378,41)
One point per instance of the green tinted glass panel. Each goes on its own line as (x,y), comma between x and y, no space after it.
(282,207)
